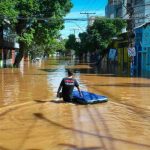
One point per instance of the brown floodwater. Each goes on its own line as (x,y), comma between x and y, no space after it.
(32,118)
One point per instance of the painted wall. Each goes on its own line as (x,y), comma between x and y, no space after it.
(138,48)
(146,50)
(123,61)
(142,45)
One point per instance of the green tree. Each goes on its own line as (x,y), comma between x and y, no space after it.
(56,45)
(38,28)
(103,30)
(71,42)
(83,43)
(8,11)
(36,22)
(99,35)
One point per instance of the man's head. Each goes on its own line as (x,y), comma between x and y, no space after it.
(70,73)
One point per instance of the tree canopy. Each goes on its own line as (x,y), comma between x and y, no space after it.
(71,42)
(35,21)
(8,11)
(102,31)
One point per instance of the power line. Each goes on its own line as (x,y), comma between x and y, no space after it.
(77,25)
(88,17)
(74,30)
(69,19)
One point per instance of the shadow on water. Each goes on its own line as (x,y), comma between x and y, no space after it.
(34,149)
(51,101)
(71,146)
(28,132)
(3,148)
(109,138)
(52,70)
(56,102)
(7,111)
(71,102)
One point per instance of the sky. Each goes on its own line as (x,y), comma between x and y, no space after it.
(82,6)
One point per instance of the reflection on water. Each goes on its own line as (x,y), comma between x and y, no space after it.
(23,84)
(32,118)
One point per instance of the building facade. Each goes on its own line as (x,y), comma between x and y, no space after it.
(8,45)
(137,10)
(142,45)
(116,9)
(141,13)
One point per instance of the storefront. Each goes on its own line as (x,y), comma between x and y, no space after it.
(122,61)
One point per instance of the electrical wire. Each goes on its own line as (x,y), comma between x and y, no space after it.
(74,19)
(77,25)
(70,19)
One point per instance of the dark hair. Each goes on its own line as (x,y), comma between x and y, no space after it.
(70,73)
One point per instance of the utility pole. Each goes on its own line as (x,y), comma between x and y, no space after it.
(128,6)
(74,30)
(130,23)
(130,27)
(88,16)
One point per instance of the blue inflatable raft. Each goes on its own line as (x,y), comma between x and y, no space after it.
(88,98)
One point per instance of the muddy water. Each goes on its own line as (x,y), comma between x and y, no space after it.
(32,118)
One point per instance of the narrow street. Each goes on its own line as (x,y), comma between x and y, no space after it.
(32,118)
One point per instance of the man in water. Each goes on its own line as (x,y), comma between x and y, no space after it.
(67,85)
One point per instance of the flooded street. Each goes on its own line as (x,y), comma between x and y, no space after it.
(32,118)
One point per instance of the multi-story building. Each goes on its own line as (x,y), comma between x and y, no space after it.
(116,9)
(138,14)
(141,12)
(137,10)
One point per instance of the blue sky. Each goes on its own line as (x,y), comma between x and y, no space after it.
(82,6)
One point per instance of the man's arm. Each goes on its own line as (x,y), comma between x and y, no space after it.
(60,87)
(79,91)
(59,90)
(77,85)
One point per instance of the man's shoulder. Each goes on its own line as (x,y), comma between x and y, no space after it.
(69,79)
(65,78)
